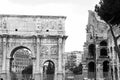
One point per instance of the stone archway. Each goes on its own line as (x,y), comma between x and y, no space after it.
(106,69)
(21,63)
(48,70)
(33,32)
(103,43)
(103,52)
(91,50)
(91,70)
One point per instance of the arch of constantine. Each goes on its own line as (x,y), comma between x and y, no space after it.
(42,38)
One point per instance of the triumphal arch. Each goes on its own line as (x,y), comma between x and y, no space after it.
(31,41)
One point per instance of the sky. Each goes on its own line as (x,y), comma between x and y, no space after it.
(76,12)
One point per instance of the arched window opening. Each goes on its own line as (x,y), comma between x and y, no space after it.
(103,43)
(105,69)
(91,67)
(91,50)
(91,70)
(103,52)
(105,66)
(48,70)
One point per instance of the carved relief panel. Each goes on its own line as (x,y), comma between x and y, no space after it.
(49,51)
(44,51)
(3,23)
(49,48)
(50,26)
(54,51)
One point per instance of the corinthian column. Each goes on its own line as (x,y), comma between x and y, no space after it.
(4,66)
(60,52)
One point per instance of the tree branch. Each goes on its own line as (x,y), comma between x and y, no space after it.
(111,20)
(117,50)
(111,29)
(118,37)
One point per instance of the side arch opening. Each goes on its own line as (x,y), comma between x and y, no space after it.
(48,70)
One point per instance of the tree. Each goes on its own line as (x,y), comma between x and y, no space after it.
(109,11)
(71,63)
(78,69)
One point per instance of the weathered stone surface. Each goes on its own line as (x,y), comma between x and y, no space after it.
(97,31)
(29,25)
(39,34)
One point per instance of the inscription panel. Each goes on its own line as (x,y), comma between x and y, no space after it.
(50,24)
(44,50)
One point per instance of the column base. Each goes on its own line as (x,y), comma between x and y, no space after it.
(3,76)
(60,76)
(37,76)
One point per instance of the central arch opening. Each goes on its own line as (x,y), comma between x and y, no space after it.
(48,70)
(21,64)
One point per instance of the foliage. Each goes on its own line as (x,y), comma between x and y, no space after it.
(72,66)
(78,69)
(71,63)
(109,11)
